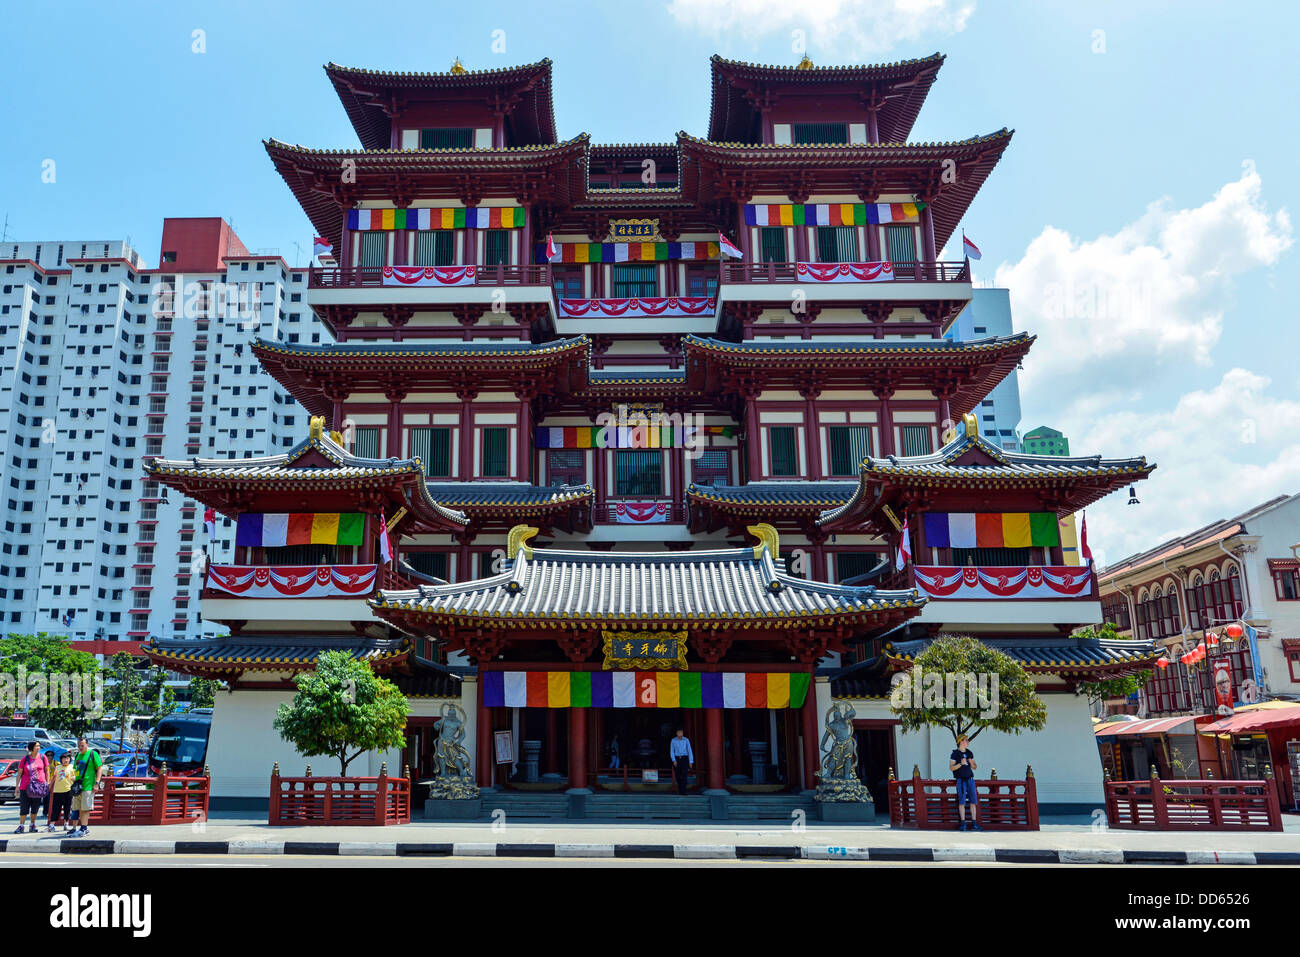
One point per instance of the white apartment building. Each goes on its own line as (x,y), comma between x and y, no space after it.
(104,363)
(989,314)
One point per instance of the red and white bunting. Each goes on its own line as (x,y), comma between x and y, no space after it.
(844,272)
(987,582)
(653,308)
(641,513)
(293,581)
(429,275)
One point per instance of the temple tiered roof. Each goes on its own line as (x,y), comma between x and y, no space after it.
(968,465)
(318,474)
(789,503)
(230,657)
(505,504)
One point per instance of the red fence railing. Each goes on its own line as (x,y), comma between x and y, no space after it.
(165,798)
(336,800)
(353,277)
(1008,805)
(1194,805)
(733,272)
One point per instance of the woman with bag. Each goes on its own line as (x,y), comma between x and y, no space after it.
(33,785)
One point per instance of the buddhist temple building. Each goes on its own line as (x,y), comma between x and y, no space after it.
(643,425)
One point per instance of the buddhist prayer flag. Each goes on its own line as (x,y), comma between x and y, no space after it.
(644,689)
(830,214)
(271,530)
(728,248)
(623,252)
(990,529)
(969,249)
(451,217)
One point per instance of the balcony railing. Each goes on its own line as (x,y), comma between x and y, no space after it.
(358,277)
(1001,582)
(757,272)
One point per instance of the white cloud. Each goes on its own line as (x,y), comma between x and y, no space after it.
(843,28)
(1126,323)
(1219,451)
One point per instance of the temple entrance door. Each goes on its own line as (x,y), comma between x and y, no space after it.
(642,736)
(875,759)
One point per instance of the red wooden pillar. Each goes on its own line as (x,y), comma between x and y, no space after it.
(484,728)
(886,421)
(737,745)
(524,465)
(551,748)
(753,455)
(466,467)
(393,440)
(927,234)
(577,747)
(713,748)
(813,432)
(811,747)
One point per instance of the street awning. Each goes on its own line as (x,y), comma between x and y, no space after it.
(1256,719)
(1150,726)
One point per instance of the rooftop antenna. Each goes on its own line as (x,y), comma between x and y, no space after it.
(4,233)
(297,257)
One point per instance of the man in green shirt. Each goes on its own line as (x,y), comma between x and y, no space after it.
(89,768)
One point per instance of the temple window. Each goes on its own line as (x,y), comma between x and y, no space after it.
(566,466)
(567,285)
(496,248)
(1014,557)
(852,565)
(701,284)
(771,244)
(837,244)
(365,442)
(639,473)
(302,555)
(496,453)
(917,440)
(374,249)
(783,451)
(803,133)
(435,247)
(446,137)
(433,447)
(900,241)
(849,444)
(711,468)
(635,281)
(429,563)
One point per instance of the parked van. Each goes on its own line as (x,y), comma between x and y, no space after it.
(16,738)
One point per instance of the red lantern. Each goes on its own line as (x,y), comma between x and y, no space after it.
(1186,657)
(1234,631)
(1162,662)
(1212,640)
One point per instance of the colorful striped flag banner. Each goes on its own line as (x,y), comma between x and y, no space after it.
(623,252)
(451,217)
(274,530)
(616,437)
(830,214)
(991,529)
(644,689)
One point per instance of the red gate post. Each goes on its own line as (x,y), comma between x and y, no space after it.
(273,813)
(1031,798)
(381,795)
(895,799)
(159,807)
(1272,801)
(1158,805)
(918,798)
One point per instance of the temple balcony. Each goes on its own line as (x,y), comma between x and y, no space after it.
(281,592)
(362,286)
(746,281)
(1002,595)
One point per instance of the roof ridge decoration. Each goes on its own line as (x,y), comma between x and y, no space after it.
(517,541)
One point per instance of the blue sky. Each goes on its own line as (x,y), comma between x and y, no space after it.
(1162,106)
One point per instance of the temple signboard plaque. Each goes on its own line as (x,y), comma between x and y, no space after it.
(645,650)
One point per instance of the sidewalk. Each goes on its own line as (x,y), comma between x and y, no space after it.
(1067,842)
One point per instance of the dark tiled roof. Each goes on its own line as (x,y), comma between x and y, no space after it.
(801,494)
(1068,655)
(865,348)
(269,652)
(504,494)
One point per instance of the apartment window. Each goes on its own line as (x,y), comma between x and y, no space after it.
(837,244)
(496,247)
(435,247)
(635,280)
(566,466)
(771,244)
(638,473)
(444,138)
(365,442)
(782,450)
(495,453)
(374,249)
(1286,584)
(433,447)
(900,241)
(850,444)
(820,133)
(916,440)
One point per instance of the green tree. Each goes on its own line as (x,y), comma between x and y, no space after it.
(922,699)
(342,710)
(1118,687)
(132,690)
(52,657)
(203,692)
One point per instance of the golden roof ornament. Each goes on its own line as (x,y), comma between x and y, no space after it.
(805,63)
(317,428)
(972,426)
(458,68)
(517,539)
(767,539)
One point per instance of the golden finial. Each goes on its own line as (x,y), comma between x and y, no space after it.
(805,63)
(457,68)
(317,427)
(337,437)
(767,539)
(972,426)
(518,538)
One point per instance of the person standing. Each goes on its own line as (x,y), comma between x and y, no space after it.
(61,793)
(962,765)
(88,769)
(33,785)
(683,758)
